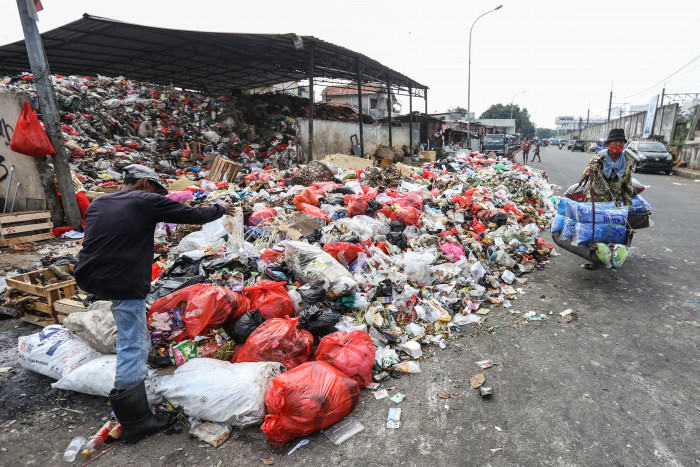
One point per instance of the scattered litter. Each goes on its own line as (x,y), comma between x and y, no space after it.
(398,397)
(381,394)
(444,394)
(343,430)
(393,419)
(477,379)
(213,433)
(301,443)
(484,364)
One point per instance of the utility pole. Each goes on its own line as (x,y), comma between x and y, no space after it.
(609,106)
(588,117)
(49,113)
(580,122)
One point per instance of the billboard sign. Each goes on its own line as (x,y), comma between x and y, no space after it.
(651,113)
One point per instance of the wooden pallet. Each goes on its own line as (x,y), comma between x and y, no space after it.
(28,226)
(223,168)
(48,295)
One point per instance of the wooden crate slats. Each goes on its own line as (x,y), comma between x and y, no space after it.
(25,227)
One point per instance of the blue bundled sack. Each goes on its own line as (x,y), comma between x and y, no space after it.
(558,223)
(583,212)
(606,233)
(640,205)
(569,228)
(561,206)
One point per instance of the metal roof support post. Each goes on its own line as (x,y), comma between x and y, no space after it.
(359,105)
(49,113)
(426,122)
(410,120)
(389,105)
(310,155)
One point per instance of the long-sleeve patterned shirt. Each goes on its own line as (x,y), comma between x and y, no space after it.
(613,188)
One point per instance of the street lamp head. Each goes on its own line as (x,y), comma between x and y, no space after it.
(498,7)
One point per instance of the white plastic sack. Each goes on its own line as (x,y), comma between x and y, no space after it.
(209,234)
(96,377)
(310,263)
(219,391)
(417,265)
(54,352)
(95,327)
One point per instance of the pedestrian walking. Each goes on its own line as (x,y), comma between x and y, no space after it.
(526,150)
(537,152)
(115,264)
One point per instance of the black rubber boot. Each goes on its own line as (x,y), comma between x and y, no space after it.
(133,412)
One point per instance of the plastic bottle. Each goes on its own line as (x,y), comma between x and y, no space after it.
(97,439)
(76,444)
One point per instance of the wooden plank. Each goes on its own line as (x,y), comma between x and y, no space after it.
(42,307)
(67,306)
(14,229)
(37,320)
(24,216)
(30,238)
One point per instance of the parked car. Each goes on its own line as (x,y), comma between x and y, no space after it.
(591,147)
(571,144)
(649,155)
(600,145)
(578,146)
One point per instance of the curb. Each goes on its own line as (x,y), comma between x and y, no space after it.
(692,174)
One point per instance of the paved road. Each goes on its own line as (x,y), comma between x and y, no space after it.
(619,386)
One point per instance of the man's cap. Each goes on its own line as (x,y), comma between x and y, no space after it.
(140,171)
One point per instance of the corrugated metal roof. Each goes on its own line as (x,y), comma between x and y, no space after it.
(352,89)
(207,61)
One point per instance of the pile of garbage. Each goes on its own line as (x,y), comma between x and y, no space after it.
(327,281)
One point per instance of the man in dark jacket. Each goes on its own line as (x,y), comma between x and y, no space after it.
(115,264)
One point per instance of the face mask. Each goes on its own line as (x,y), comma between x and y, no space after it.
(615,150)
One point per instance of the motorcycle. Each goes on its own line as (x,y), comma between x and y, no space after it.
(561,145)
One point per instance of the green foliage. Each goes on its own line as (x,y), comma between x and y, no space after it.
(523,125)
(545,133)
(458,109)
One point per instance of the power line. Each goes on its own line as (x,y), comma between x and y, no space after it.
(663,80)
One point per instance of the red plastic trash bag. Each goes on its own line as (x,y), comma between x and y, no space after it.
(411,199)
(409,216)
(357,206)
(206,307)
(314,211)
(352,353)
(278,340)
(29,136)
(260,215)
(307,399)
(344,252)
(271,298)
(305,197)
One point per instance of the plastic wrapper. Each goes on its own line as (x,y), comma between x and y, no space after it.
(319,321)
(307,399)
(310,264)
(262,214)
(204,306)
(602,252)
(271,298)
(583,212)
(352,353)
(417,266)
(606,233)
(618,255)
(278,340)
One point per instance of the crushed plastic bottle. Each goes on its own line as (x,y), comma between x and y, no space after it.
(74,447)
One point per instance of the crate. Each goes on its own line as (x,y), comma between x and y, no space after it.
(223,168)
(28,226)
(48,295)
(66,306)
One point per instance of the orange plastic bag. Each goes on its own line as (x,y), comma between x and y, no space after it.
(271,298)
(307,399)
(305,197)
(352,353)
(278,340)
(206,307)
(29,136)
(409,216)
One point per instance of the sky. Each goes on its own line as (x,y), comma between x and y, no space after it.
(566,55)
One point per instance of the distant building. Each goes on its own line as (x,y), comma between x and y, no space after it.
(500,125)
(374,98)
(572,123)
(295,88)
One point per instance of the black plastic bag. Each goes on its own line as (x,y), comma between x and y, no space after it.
(48,260)
(499,219)
(345,190)
(350,239)
(158,356)
(319,321)
(397,238)
(373,206)
(244,326)
(314,292)
(183,266)
(164,287)
(397,226)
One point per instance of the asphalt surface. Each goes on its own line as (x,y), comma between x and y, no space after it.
(618,386)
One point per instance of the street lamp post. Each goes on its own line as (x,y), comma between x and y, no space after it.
(511,103)
(469,76)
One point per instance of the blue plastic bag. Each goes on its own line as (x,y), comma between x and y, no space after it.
(558,223)
(640,205)
(606,233)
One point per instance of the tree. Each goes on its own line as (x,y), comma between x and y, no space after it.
(544,133)
(523,125)
(457,109)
